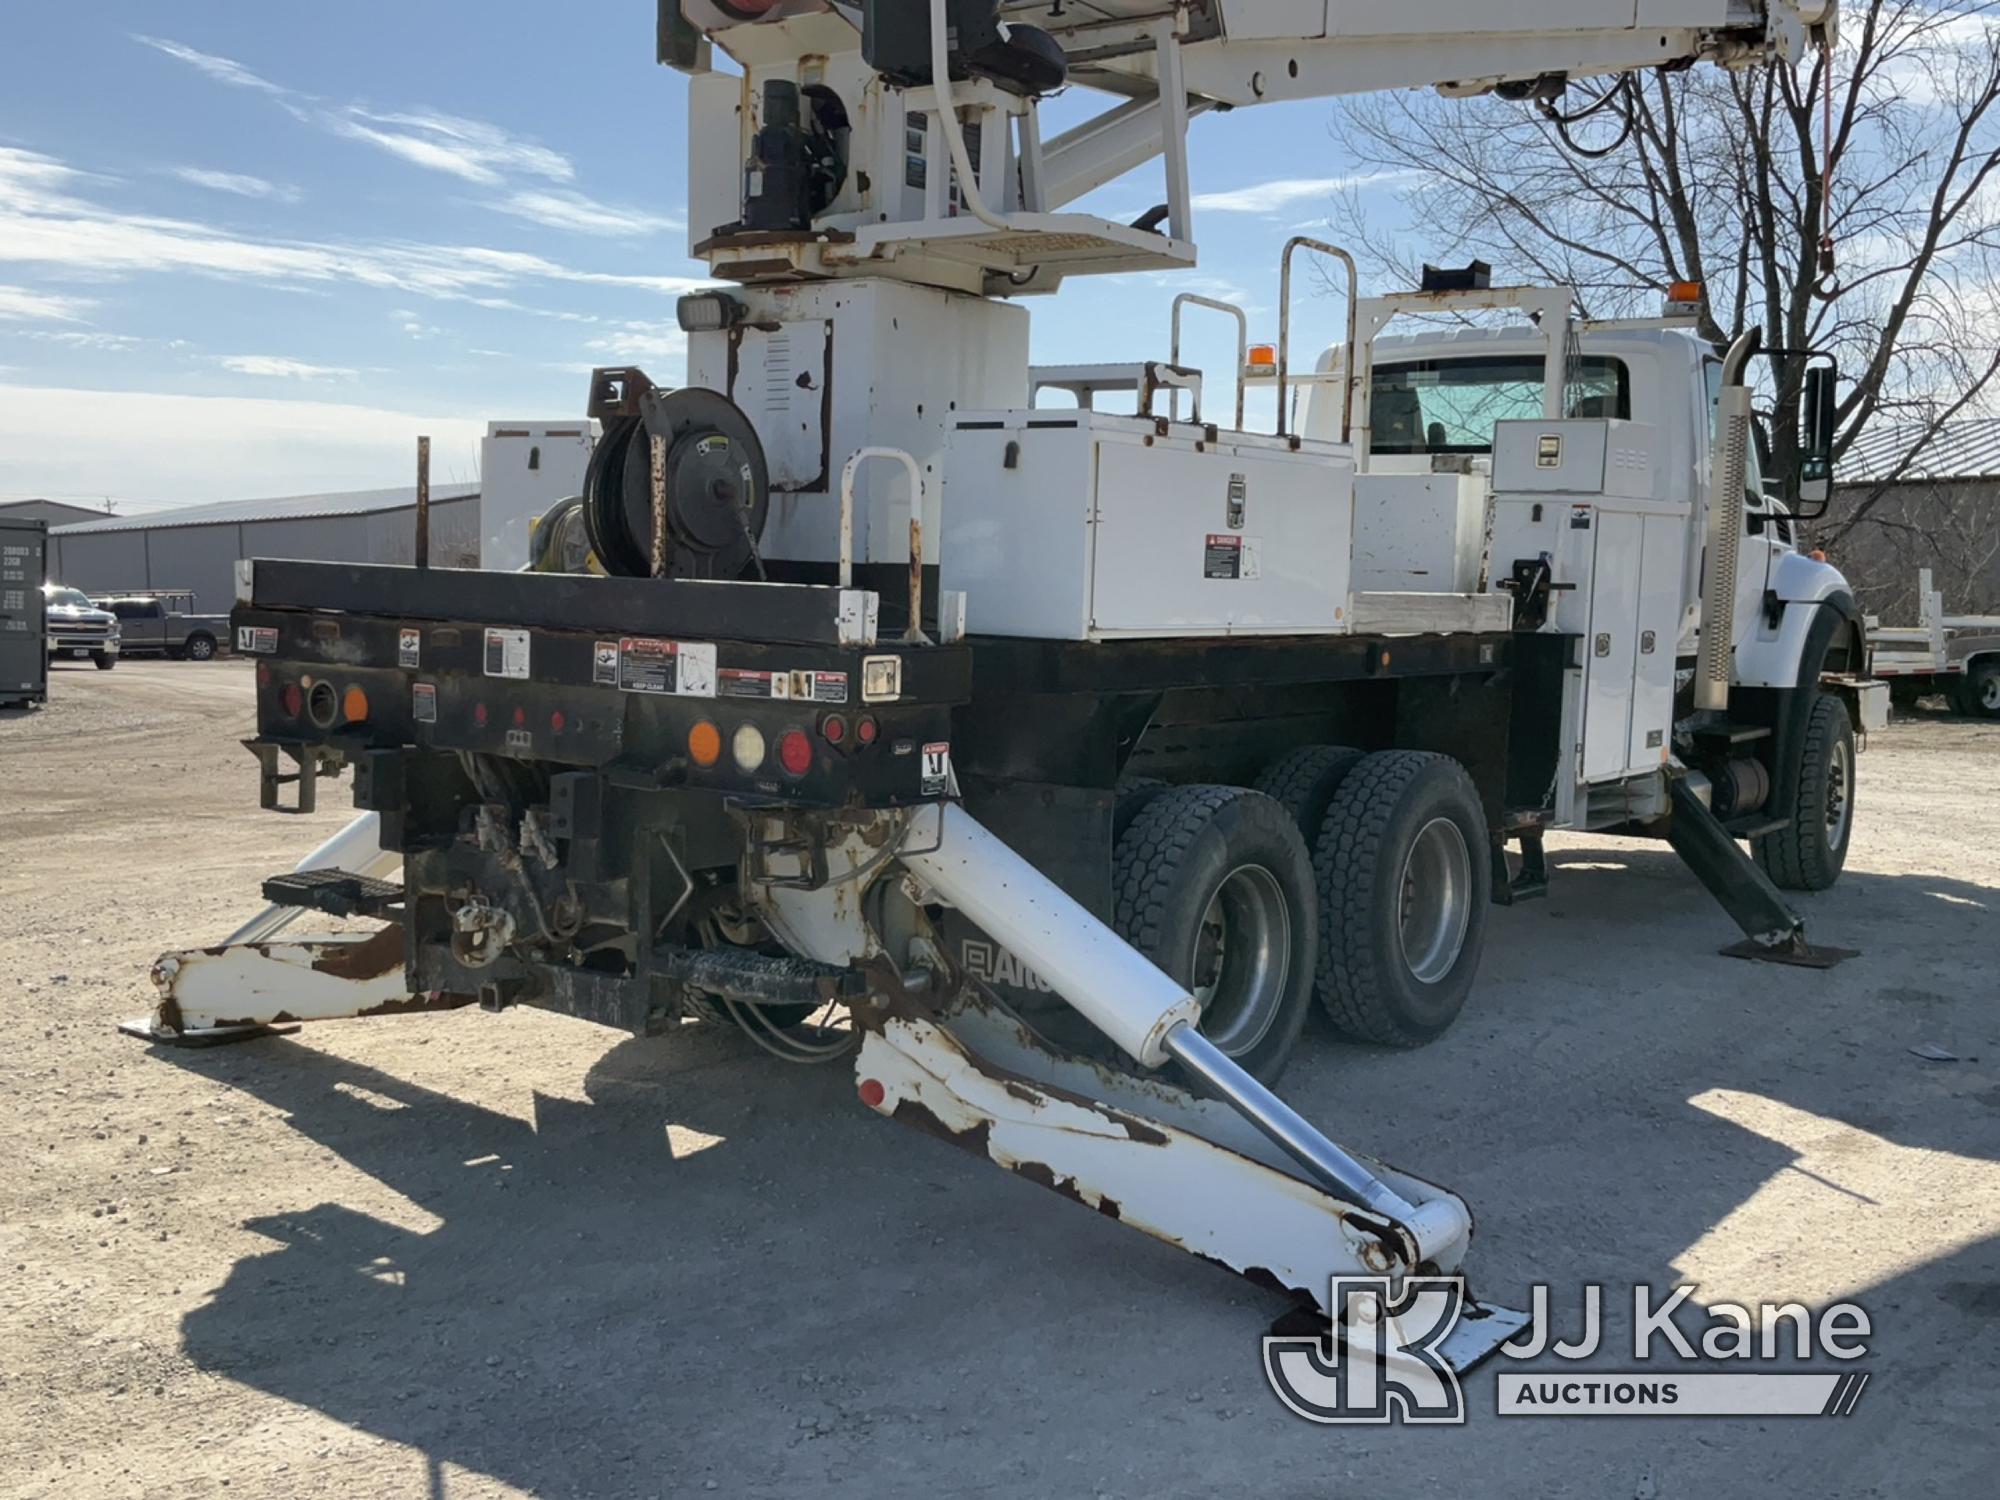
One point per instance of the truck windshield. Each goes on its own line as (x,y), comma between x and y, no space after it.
(72,598)
(1450,406)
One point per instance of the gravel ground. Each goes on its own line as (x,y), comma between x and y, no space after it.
(473,1255)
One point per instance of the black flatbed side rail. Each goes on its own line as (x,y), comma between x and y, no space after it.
(794,614)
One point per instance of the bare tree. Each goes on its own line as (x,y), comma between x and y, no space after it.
(1723,178)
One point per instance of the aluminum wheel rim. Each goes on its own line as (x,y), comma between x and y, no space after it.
(1242,958)
(201,651)
(1839,794)
(1437,901)
(1989,694)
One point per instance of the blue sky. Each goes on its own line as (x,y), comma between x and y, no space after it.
(250,250)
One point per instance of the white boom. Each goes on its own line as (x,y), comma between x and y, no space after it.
(922,201)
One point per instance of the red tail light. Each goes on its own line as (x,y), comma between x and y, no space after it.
(833,728)
(293,699)
(795,752)
(866,729)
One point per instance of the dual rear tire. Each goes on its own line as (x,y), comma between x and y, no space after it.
(1357,879)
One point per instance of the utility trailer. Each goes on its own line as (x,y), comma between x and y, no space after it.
(991,725)
(1956,655)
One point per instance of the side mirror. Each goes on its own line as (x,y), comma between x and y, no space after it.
(1817,406)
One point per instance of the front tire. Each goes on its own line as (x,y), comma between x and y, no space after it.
(1809,854)
(199,647)
(105,661)
(1404,882)
(1214,885)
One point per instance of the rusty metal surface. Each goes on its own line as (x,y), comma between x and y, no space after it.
(1182,1188)
(289,980)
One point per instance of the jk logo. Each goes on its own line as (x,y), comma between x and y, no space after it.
(1384,1364)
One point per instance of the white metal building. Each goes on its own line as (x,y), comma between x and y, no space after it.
(197,546)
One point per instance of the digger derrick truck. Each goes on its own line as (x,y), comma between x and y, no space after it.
(1001,724)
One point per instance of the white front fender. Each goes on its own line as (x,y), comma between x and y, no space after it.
(1770,657)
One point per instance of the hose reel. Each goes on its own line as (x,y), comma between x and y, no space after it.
(717,487)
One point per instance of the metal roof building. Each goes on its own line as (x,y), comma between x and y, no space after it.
(197,546)
(55,512)
(1968,448)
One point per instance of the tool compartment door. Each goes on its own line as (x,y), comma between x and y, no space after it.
(1611,649)
(1660,566)
(1219,541)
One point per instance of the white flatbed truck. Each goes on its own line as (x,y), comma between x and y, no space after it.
(972,716)
(1956,655)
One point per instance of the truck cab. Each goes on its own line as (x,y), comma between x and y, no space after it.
(1441,407)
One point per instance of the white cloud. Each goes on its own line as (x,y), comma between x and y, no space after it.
(195,448)
(88,339)
(413,324)
(20,304)
(640,341)
(1274,197)
(585,215)
(240,183)
(42,224)
(221,69)
(472,149)
(278,367)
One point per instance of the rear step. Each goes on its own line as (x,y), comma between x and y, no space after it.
(337,893)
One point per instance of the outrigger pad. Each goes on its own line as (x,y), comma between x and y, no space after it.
(1478,1334)
(1798,953)
(146,1029)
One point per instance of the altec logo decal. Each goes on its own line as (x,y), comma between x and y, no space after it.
(1389,1365)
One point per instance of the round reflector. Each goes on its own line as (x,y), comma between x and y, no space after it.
(795,752)
(292,698)
(834,729)
(746,748)
(705,744)
(866,729)
(354,704)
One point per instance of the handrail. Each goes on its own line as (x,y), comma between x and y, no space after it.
(914,635)
(1194,299)
(1334,252)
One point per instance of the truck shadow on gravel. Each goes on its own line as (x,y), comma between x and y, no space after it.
(801,1294)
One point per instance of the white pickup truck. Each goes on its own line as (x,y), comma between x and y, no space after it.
(78,628)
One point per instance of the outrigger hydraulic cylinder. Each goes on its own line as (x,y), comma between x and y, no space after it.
(1143,1011)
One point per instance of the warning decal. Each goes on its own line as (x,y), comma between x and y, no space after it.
(682,669)
(820,687)
(260,639)
(936,770)
(1222,557)
(604,663)
(409,647)
(424,702)
(507,653)
(734,682)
